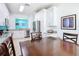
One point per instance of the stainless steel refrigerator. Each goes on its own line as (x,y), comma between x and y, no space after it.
(36,26)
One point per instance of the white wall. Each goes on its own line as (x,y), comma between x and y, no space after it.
(31,19)
(64,10)
(19,33)
(12,19)
(4,13)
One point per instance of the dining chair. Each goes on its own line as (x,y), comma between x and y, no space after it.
(36,36)
(70,37)
(3,50)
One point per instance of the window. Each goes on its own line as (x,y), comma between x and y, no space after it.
(21,24)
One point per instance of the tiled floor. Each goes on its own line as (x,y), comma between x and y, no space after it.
(16,45)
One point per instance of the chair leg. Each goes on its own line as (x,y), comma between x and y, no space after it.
(75,42)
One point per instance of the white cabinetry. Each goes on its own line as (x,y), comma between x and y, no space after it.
(46,17)
(50,17)
(41,16)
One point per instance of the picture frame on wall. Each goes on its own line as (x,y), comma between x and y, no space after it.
(68,22)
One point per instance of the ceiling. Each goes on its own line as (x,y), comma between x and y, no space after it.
(28,9)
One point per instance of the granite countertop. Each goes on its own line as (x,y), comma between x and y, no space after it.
(4,37)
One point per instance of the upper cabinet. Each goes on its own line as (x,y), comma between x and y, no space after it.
(41,16)
(50,17)
(46,17)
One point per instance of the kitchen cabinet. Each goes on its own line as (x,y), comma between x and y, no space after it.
(46,18)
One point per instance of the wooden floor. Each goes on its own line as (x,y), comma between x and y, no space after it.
(48,47)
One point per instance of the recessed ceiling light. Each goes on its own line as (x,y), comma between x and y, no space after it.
(21,8)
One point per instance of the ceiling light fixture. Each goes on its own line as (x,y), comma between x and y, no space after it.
(21,8)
